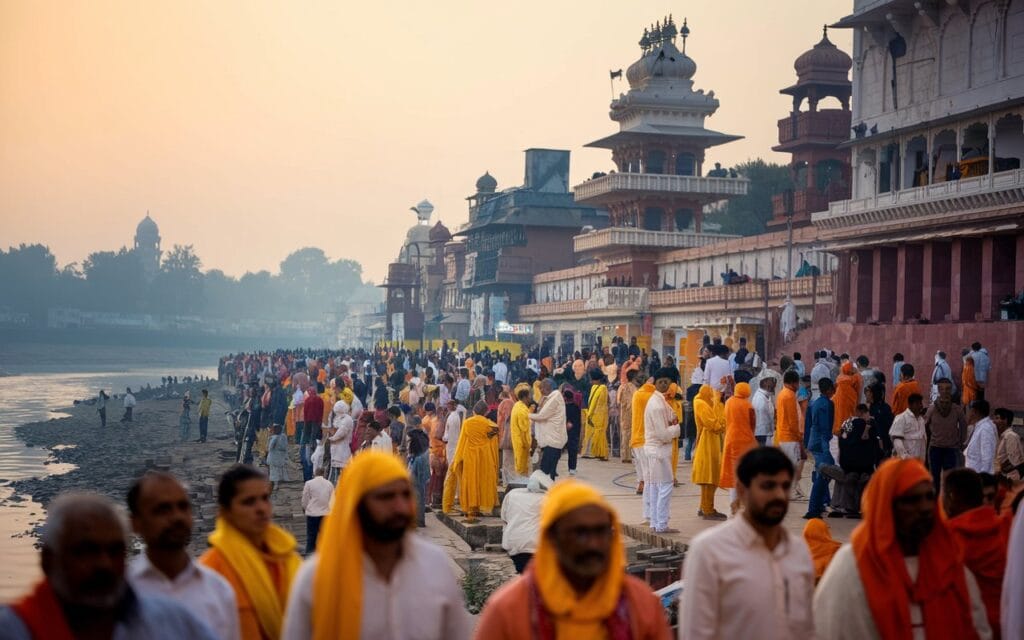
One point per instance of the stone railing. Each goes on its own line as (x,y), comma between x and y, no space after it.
(540,309)
(625,298)
(660,183)
(633,237)
(934,199)
(827,123)
(751,291)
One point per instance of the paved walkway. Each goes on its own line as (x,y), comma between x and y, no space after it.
(617,481)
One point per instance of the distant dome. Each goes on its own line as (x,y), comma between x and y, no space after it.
(147,228)
(439,233)
(486,183)
(663,61)
(825,62)
(423,211)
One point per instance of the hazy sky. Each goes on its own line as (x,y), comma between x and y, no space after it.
(252,128)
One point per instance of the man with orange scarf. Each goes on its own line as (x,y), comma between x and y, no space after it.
(257,557)
(576,586)
(739,438)
(371,576)
(902,571)
(983,536)
(84,593)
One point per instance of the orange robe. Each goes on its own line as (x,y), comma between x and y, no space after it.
(969,385)
(902,393)
(847,394)
(787,417)
(821,545)
(984,536)
(739,434)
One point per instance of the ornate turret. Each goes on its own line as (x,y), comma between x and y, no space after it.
(147,246)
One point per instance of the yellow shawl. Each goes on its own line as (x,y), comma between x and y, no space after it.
(338,583)
(247,561)
(576,617)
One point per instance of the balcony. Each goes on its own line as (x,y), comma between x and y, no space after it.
(498,269)
(939,199)
(528,312)
(642,238)
(617,298)
(804,202)
(830,126)
(616,186)
(752,292)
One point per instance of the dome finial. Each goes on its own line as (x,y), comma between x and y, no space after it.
(824,32)
(685,32)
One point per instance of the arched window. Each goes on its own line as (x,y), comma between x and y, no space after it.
(655,161)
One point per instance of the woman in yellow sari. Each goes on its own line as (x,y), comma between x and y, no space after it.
(597,417)
(709,414)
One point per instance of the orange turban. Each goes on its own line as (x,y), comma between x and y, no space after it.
(821,543)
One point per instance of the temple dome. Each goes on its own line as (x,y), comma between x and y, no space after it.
(825,62)
(147,228)
(486,183)
(663,61)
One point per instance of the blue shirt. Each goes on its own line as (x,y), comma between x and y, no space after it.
(821,416)
(141,616)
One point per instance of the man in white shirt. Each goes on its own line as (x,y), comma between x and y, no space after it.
(661,427)
(374,578)
(764,411)
(316,503)
(339,439)
(549,427)
(452,429)
(500,370)
(980,453)
(750,577)
(161,515)
(717,371)
(129,405)
(821,369)
(521,512)
(908,434)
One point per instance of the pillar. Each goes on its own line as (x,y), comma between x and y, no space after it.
(935,278)
(965,279)
(909,281)
(998,266)
(1018,278)
(861,267)
(883,284)
(842,292)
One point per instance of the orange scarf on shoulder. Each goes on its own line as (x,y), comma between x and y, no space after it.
(42,614)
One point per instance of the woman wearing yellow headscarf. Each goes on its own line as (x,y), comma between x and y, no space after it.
(576,586)
(334,598)
(596,435)
(709,415)
(256,557)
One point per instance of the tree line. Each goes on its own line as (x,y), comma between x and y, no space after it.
(307,284)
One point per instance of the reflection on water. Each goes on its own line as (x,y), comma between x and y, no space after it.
(50,377)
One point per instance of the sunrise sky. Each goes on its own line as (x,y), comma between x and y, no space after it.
(252,128)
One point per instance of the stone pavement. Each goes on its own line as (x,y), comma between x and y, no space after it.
(617,481)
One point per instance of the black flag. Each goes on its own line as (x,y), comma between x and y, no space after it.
(615,74)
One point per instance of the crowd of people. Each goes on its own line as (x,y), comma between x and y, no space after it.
(388,435)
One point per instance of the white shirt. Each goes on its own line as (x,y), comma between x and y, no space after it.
(452,430)
(841,610)
(129,400)
(521,512)
(764,413)
(549,421)
(714,370)
(980,453)
(908,434)
(382,442)
(298,398)
(500,370)
(736,587)
(203,591)
(341,440)
(316,496)
(421,601)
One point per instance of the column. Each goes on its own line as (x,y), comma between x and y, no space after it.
(860,285)
(935,278)
(883,284)
(841,298)
(965,279)
(909,281)
(1018,278)
(998,267)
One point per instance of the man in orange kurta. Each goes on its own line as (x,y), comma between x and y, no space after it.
(474,468)
(739,438)
(907,387)
(576,585)
(846,396)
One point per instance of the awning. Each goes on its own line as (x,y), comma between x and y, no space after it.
(377,326)
(924,237)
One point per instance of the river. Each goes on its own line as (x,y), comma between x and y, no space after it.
(38,380)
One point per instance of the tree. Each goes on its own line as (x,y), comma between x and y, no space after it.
(748,215)
(114,281)
(28,276)
(178,288)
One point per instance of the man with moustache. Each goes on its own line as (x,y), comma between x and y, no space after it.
(371,576)
(730,568)
(83,593)
(161,515)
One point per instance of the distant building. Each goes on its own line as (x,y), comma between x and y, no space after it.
(147,246)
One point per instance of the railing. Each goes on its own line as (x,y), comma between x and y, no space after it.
(627,298)
(530,311)
(939,198)
(807,201)
(751,291)
(632,237)
(654,182)
(828,123)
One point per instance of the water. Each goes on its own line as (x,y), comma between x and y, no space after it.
(45,379)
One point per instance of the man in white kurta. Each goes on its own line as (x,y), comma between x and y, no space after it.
(661,427)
